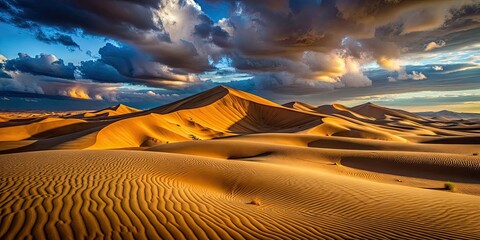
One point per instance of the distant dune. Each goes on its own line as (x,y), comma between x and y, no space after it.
(449,115)
(112,111)
(225,164)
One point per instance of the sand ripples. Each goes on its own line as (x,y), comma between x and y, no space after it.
(120,194)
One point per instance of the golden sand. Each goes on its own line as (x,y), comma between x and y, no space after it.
(225,164)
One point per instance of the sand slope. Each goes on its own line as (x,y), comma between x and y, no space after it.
(216,113)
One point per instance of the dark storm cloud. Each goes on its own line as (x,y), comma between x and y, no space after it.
(44,64)
(460,28)
(127,65)
(13,16)
(4,74)
(288,46)
(29,86)
(205,27)
(53,86)
(208,30)
(270,39)
(33,95)
(57,38)
(101,72)
(138,23)
(264,30)
(90,15)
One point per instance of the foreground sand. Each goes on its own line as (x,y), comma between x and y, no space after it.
(225,164)
(60,194)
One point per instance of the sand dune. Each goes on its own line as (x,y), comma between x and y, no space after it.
(21,132)
(379,112)
(111,111)
(300,106)
(216,113)
(225,164)
(341,110)
(220,112)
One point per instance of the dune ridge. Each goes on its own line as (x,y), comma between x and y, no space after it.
(116,110)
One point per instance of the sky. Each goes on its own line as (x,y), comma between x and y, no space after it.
(86,54)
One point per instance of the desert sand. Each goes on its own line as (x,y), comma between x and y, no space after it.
(225,164)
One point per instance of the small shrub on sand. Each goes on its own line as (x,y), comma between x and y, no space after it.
(475,154)
(449,186)
(193,137)
(255,201)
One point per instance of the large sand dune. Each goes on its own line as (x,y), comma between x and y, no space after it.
(225,164)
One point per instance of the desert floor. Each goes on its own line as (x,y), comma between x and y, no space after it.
(225,164)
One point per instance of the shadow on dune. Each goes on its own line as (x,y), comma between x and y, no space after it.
(68,129)
(437,188)
(465,173)
(19,122)
(52,143)
(455,140)
(341,144)
(268,119)
(265,154)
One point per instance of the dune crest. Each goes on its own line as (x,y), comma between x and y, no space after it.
(116,110)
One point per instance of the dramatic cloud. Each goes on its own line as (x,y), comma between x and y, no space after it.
(126,64)
(432,45)
(389,64)
(163,29)
(178,34)
(47,76)
(44,64)
(282,46)
(2,73)
(313,71)
(57,38)
(49,86)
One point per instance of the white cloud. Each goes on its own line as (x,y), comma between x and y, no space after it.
(151,93)
(391,79)
(354,76)
(402,75)
(413,76)
(437,68)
